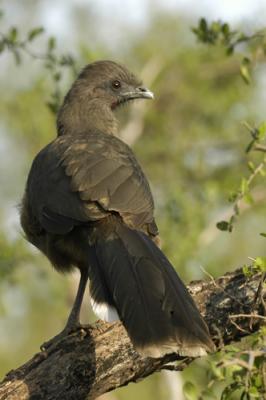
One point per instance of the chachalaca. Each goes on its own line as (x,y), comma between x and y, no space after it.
(88,205)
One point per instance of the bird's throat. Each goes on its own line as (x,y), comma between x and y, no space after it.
(80,117)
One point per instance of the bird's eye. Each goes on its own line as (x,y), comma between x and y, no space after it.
(116,84)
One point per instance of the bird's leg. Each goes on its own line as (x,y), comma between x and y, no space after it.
(73,319)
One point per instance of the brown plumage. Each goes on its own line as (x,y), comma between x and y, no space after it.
(88,205)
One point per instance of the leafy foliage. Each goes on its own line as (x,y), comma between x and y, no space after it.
(244,192)
(239,373)
(220,33)
(53,63)
(244,368)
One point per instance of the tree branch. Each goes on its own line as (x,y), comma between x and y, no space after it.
(100,358)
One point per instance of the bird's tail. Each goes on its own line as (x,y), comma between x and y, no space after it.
(131,277)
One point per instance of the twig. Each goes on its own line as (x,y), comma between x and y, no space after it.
(260,147)
(245,331)
(252,316)
(233,298)
(247,316)
(259,296)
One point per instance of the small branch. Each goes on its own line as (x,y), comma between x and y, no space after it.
(248,316)
(210,233)
(260,147)
(252,176)
(256,171)
(100,358)
(251,316)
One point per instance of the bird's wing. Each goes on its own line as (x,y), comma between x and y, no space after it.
(79,179)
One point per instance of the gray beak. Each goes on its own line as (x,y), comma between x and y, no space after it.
(145,93)
(138,93)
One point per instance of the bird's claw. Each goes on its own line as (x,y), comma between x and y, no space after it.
(60,336)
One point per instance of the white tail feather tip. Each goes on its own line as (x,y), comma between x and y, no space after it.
(104,311)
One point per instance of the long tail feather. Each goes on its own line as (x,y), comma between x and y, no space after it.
(135,277)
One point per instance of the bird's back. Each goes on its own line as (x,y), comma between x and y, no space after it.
(78,180)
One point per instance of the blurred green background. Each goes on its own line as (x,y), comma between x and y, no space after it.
(190,141)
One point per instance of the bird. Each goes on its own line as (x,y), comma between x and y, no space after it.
(88,205)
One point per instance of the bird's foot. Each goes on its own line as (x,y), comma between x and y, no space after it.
(60,336)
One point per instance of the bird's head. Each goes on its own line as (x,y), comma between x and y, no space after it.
(112,83)
(98,91)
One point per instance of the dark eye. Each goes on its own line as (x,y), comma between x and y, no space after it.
(116,84)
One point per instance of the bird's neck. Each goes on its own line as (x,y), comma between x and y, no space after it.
(80,117)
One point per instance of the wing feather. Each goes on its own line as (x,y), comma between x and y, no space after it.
(83,178)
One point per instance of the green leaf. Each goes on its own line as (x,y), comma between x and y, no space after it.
(190,391)
(57,76)
(53,106)
(248,198)
(203,25)
(67,59)
(251,166)
(260,262)
(228,390)
(35,32)
(253,392)
(17,56)
(262,172)
(231,222)
(232,348)
(230,50)
(216,27)
(226,29)
(250,145)
(263,234)
(244,188)
(245,70)
(51,43)
(208,394)
(232,197)
(12,35)
(246,271)
(262,131)
(218,372)
(258,378)
(223,225)
(244,396)
(254,133)
(236,210)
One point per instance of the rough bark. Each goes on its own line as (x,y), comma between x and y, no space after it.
(100,358)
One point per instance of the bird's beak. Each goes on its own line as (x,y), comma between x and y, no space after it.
(138,93)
